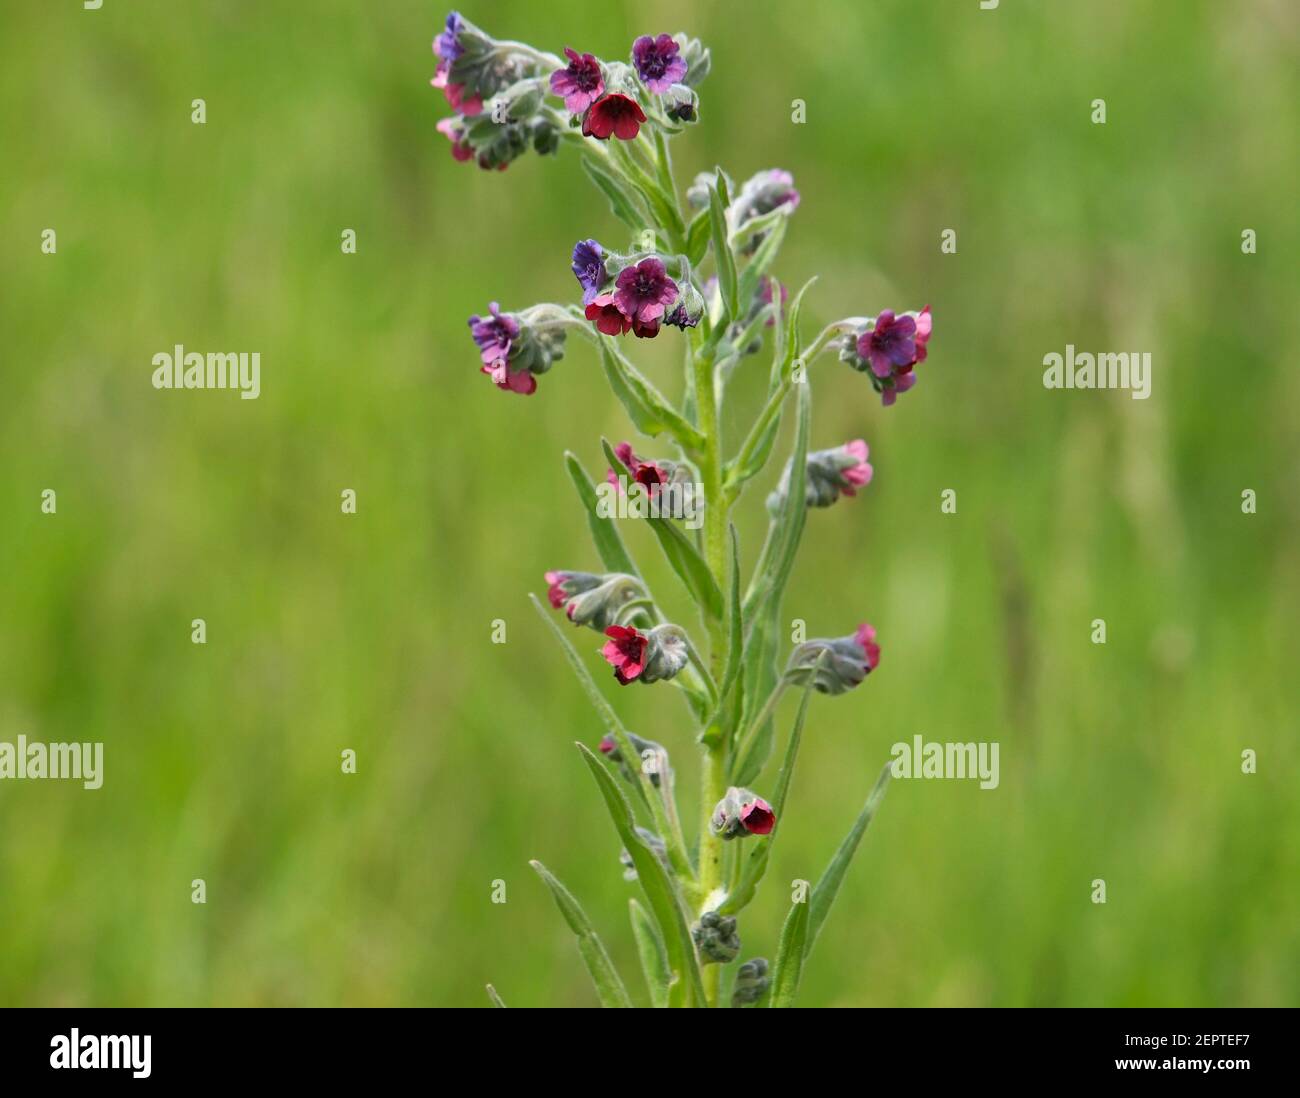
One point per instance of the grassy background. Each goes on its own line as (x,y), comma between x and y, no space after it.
(373,631)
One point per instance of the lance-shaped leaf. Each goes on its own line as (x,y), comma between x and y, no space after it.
(681,553)
(609,985)
(605,535)
(790,957)
(723,256)
(755,864)
(654,961)
(645,405)
(650,795)
(735,640)
(497,1001)
(623,200)
(697,237)
(763,259)
(660,891)
(823,894)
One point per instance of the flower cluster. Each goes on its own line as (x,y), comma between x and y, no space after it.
(707,268)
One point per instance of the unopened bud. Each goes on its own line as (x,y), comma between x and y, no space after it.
(844,661)
(742,813)
(751,983)
(716,938)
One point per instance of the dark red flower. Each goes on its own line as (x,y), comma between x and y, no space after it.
(615,114)
(626,652)
(757,817)
(608,317)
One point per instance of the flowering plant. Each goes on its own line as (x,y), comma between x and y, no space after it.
(621,117)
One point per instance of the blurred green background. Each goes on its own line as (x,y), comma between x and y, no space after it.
(372,631)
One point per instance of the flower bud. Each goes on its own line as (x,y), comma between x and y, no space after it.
(742,813)
(697,57)
(829,474)
(657,848)
(845,661)
(546,136)
(697,194)
(515,347)
(658,653)
(716,938)
(600,606)
(688,310)
(647,752)
(762,193)
(681,104)
(751,983)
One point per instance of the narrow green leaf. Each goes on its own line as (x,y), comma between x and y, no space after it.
(622,199)
(762,260)
(654,960)
(697,237)
(735,626)
(609,986)
(823,894)
(723,256)
(751,874)
(650,795)
(609,543)
(647,407)
(790,957)
(497,1001)
(660,891)
(681,554)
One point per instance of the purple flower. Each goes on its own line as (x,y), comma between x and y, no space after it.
(447,45)
(589,269)
(494,334)
(579,85)
(891,345)
(658,62)
(644,291)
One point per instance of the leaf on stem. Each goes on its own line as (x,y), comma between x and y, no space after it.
(654,961)
(823,893)
(609,543)
(723,256)
(609,985)
(647,407)
(623,200)
(660,891)
(790,956)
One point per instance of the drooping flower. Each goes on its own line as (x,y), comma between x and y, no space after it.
(890,346)
(845,661)
(741,813)
(658,653)
(651,475)
(688,310)
(589,269)
(829,474)
(651,757)
(599,607)
(614,114)
(716,938)
(579,85)
(495,334)
(468,105)
(447,44)
(514,349)
(644,291)
(454,132)
(626,652)
(608,316)
(562,586)
(658,62)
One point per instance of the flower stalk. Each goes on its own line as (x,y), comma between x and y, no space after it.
(623,116)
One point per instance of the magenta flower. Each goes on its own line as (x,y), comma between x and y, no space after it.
(626,651)
(579,85)
(658,62)
(757,817)
(616,114)
(865,636)
(562,586)
(589,269)
(451,129)
(607,315)
(853,477)
(644,291)
(650,476)
(494,334)
(895,344)
(901,384)
(455,93)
